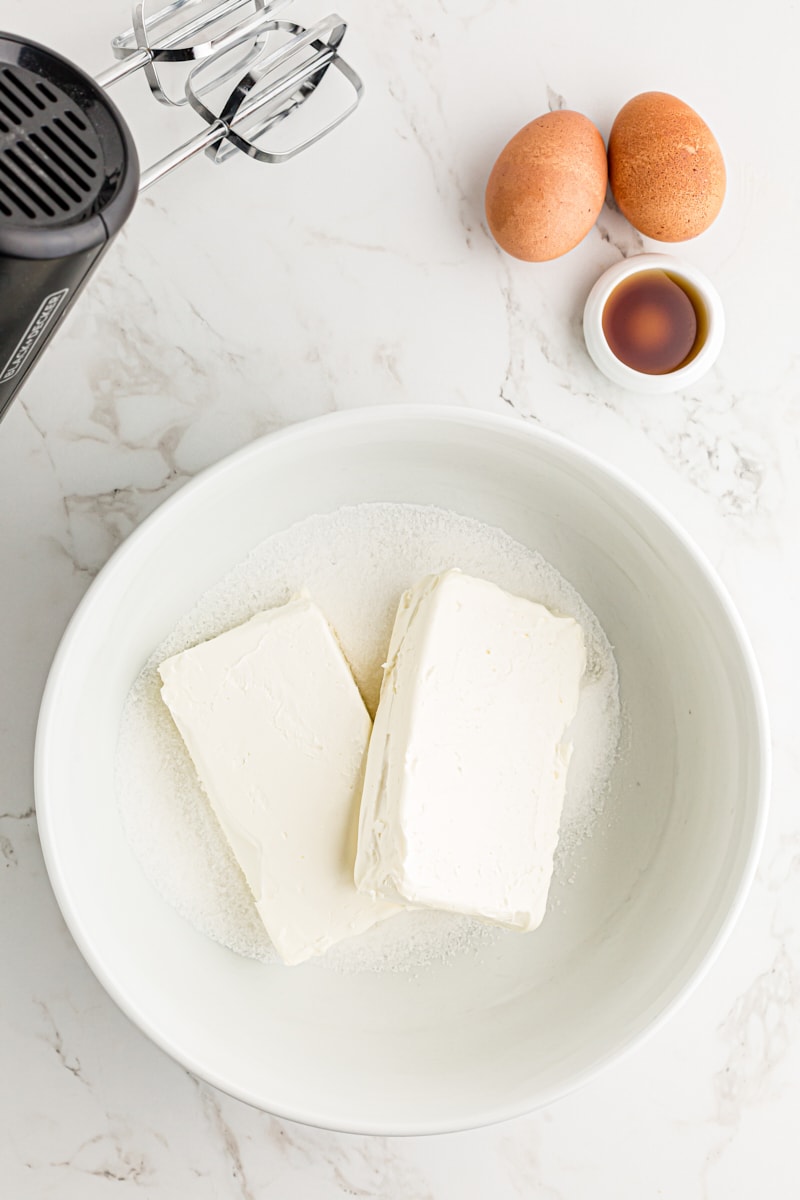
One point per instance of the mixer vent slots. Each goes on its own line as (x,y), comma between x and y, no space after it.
(49,170)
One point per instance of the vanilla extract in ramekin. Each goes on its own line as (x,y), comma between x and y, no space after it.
(653,323)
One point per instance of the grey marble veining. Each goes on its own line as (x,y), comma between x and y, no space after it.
(240,299)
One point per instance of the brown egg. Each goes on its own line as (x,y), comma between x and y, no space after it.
(547,187)
(665,168)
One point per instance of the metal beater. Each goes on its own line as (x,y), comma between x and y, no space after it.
(69,169)
(275,65)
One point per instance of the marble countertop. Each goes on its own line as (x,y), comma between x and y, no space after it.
(241,298)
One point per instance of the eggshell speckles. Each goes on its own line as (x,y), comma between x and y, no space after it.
(547,187)
(665,168)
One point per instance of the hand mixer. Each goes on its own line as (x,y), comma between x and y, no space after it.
(69,170)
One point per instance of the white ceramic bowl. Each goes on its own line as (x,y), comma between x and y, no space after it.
(619,372)
(484,1038)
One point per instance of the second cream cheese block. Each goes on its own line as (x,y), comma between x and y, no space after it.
(467,764)
(277,731)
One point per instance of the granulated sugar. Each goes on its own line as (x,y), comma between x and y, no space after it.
(354,563)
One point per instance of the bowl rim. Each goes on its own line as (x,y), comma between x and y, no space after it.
(386,416)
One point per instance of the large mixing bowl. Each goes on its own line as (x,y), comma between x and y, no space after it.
(487,1036)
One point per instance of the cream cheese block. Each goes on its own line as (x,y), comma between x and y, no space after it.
(467,764)
(277,731)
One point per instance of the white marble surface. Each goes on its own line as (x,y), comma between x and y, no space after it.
(242,298)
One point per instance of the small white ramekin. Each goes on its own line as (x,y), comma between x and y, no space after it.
(639,381)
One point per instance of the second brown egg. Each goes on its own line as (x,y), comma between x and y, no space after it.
(665,167)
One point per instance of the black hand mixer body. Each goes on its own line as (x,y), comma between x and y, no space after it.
(69,171)
(69,177)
